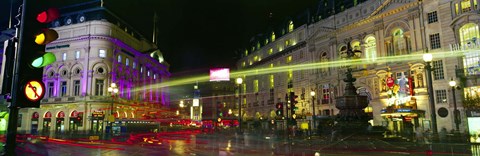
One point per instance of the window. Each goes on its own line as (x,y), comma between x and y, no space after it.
(290,26)
(370,49)
(289,59)
(63,88)
(441,96)
(471,63)
(272,81)
(435,41)
(466,6)
(134,65)
(119,59)
(64,56)
(102,53)
(326,94)
(154,76)
(273,37)
(148,73)
(469,34)
(270,51)
(127,62)
(432,17)
(77,54)
(141,69)
(50,89)
(356,45)
(99,87)
(438,70)
(399,43)
(76,88)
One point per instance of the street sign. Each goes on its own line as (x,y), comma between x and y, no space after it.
(34,90)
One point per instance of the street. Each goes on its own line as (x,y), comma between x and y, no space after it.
(193,142)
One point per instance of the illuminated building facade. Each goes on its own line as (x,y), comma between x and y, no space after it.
(393,36)
(95,48)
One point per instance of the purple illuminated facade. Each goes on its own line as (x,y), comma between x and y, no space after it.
(92,53)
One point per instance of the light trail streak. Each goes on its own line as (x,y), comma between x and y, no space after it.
(414,57)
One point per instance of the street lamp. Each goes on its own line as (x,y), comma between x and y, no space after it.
(456,114)
(312,93)
(239,81)
(427,57)
(113,90)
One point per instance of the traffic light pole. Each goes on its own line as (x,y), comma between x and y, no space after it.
(10,143)
(11,130)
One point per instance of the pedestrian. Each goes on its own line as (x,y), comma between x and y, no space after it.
(427,136)
(418,135)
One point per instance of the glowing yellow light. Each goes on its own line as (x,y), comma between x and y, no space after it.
(40,38)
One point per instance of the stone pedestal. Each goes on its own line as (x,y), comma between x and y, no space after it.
(351,117)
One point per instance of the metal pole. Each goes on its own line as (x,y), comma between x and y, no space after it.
(313,103)
(11,140)
(455,111)
(239,108)
(111,113)
(11,131)
(431,98)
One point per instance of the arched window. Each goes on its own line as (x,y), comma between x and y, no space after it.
(370,49)
(468,37)
(469,34)
(324,58)
(356,45)
(399,44)
(119,59)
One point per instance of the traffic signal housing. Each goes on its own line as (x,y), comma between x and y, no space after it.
(279,107)
(34,34)
(293,102)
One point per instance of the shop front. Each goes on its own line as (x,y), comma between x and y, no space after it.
(97,122)
(47,122)
(60,122)
(76,120)
(34,129)
(401,116)
(473,119)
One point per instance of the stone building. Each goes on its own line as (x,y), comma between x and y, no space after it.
(392,35)
(96,48)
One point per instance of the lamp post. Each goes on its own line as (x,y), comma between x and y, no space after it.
(239,81)
(312,93)
(113,90)
(456,114)
(428,58)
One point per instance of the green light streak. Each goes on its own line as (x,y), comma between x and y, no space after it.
(416,57)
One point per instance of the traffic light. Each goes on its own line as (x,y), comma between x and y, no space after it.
(293,102)
(279,111)
(31,57)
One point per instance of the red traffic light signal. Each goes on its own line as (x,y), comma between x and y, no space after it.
(279,106)
(48,15)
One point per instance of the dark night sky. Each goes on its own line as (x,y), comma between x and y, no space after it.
(196,35)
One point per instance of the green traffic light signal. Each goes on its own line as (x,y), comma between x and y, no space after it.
(46,59)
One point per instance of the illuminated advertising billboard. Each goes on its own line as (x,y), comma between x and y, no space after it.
(220,74)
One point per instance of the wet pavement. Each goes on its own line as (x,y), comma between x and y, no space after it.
(231,143)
